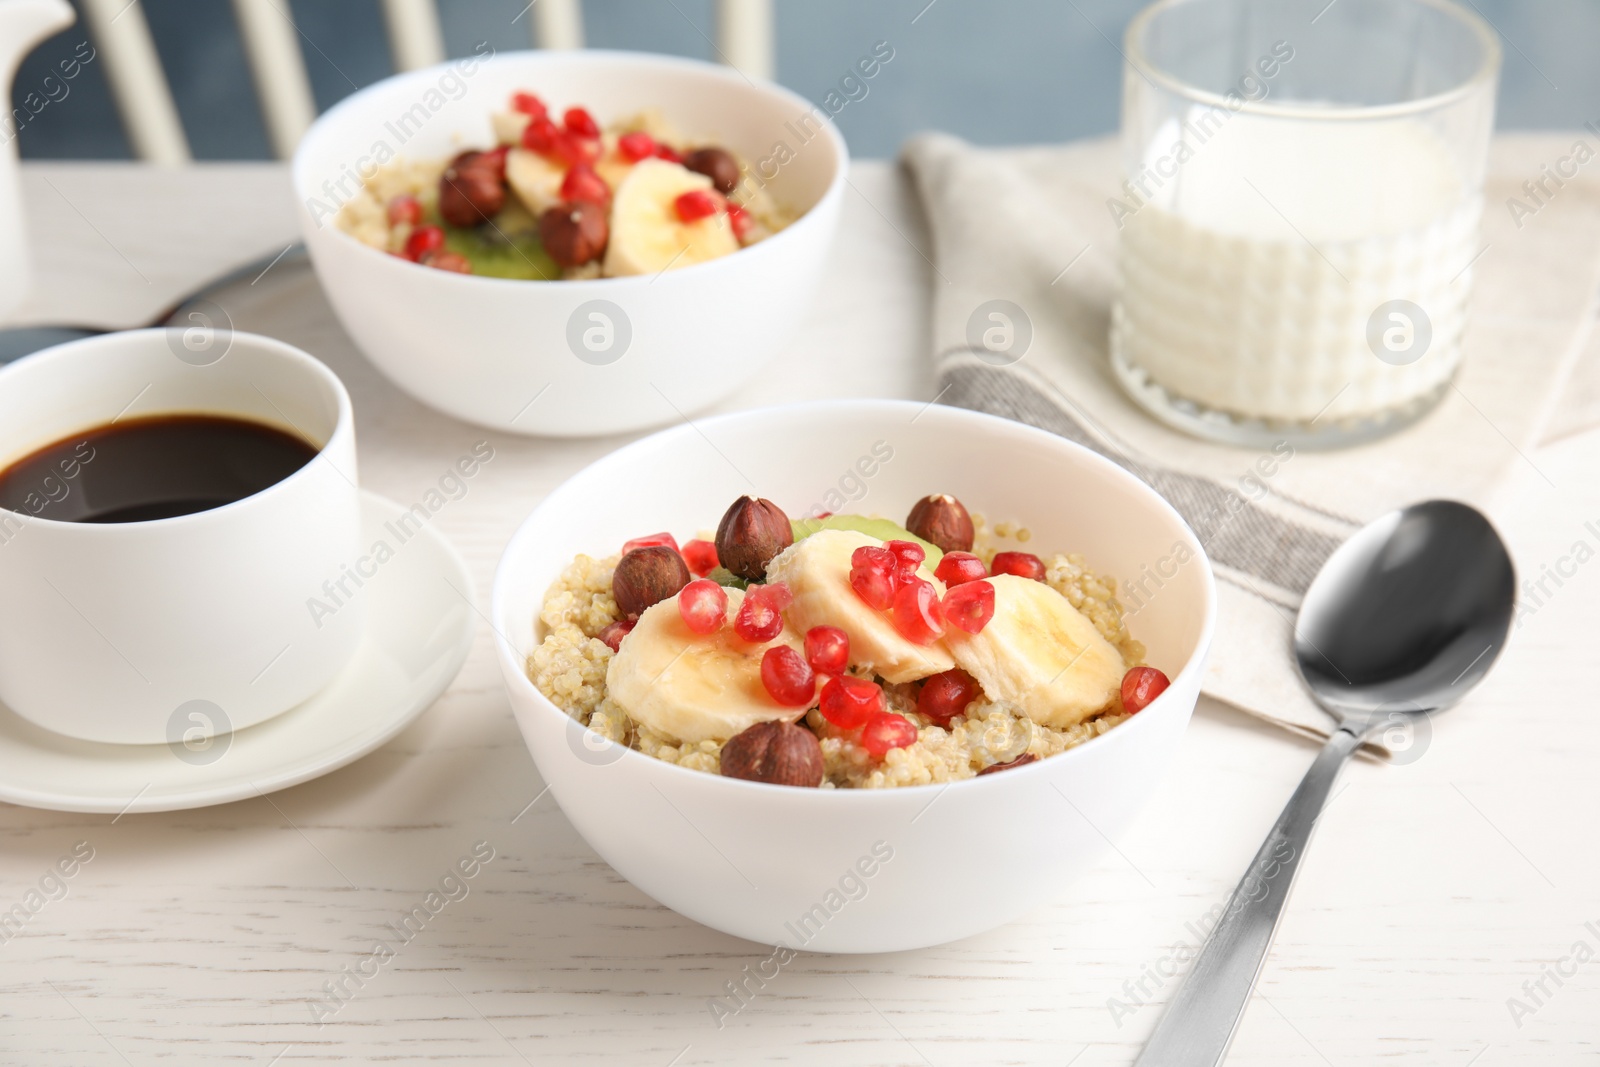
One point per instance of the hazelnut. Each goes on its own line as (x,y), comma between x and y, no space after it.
(647,576)
(750,534)
(470,190)
(777,752)
(717,164)
(575,233)
(1021,761)
(943,520)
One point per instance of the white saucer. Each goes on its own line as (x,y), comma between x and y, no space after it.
(420,623)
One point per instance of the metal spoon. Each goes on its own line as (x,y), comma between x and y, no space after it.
(1404,619)
(19,341)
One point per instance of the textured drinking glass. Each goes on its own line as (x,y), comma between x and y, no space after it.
(1299,216)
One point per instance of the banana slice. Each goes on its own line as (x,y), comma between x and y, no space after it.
(817,571)
(690,686)
(647,236)
(1039,654)
(508,126)
(535,180)
(612,165)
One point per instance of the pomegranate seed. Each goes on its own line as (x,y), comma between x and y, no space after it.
(423,239)
(740,220)
(405,211)
(697,204)
(778,593)
(916,612)
(872,576)
(1140,686)
(908,556)
(906,551)
(969,606)
(885,731)
(957,568)
(572,149)
(613,634)
(529,104)
(447,260)
(1022,564)
(579,122)
(668,153)
(636,146)
(788,678)
(701,556)
(874,587)
(944,696)
(828,649)
(758,618)
(582,183)
(848,702)
(539,136)
(703,605)
(873,557)
(650,541)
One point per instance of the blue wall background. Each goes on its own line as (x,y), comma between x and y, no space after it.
(993,71)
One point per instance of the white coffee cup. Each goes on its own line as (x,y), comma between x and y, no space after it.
(172,630)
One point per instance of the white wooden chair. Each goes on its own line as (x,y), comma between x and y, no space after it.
(277,66)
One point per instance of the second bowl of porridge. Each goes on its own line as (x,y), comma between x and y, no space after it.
(570,243)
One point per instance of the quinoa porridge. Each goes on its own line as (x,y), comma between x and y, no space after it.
(843,651)
(561,197)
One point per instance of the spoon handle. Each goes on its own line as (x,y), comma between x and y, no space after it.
(1198,1025)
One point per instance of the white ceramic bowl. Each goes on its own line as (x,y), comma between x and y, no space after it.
(482,349)
(783,865)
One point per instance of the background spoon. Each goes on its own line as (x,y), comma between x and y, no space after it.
(19,341)
(1403,619)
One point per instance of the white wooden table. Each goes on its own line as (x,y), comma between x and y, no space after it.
(1434,892)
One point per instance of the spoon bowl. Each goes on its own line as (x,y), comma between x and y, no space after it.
(1407,615)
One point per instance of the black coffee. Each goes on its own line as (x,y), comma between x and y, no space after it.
(158,467)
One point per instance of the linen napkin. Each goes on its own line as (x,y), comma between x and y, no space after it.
(1031,226)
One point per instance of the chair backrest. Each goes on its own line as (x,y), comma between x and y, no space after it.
(272,44)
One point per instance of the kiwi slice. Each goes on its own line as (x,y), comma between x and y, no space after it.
(724,577)
(503,251)
(882,529)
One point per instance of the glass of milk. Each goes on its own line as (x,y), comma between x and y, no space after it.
(1299,217)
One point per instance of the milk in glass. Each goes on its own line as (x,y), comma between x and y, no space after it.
(1251,276)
